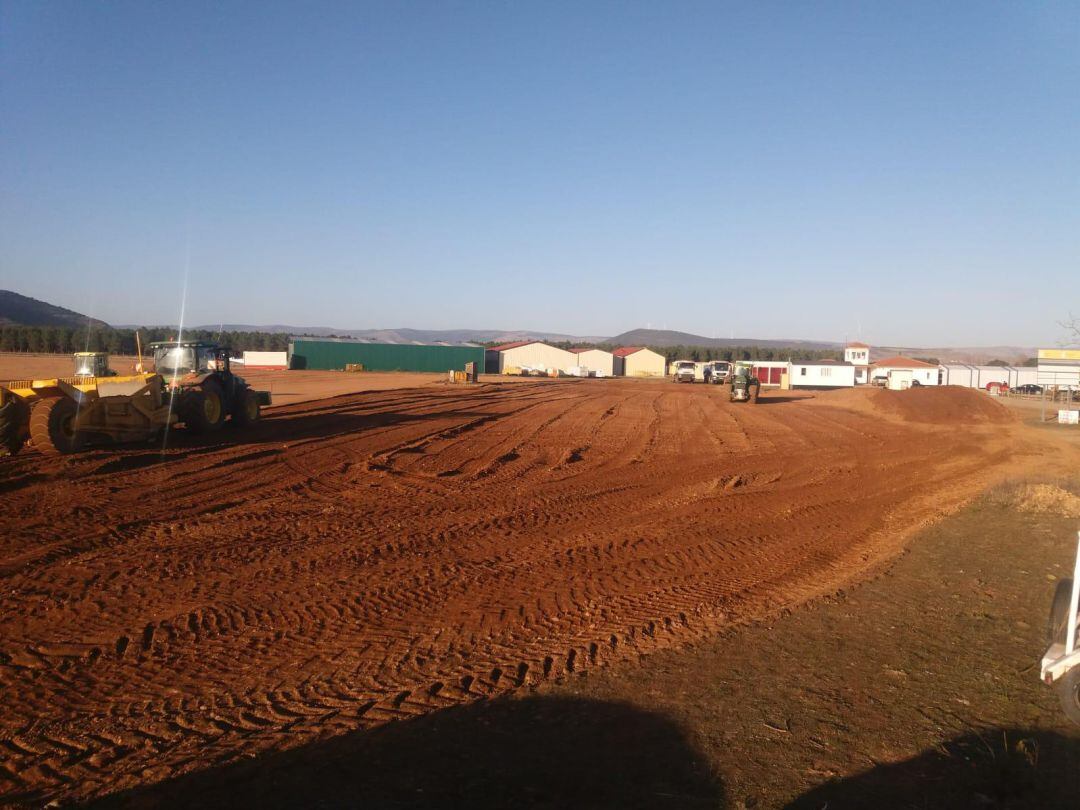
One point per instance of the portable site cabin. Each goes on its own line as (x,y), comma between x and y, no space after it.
(637,361)
(510,358)
(822,374)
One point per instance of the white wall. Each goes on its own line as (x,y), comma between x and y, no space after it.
(1058,374)
(984,375)
(265,360)
(644,363)
(856,356)
(979,376)
(924,376)
(596,360)
(955,374)
(537,355)
(821,375)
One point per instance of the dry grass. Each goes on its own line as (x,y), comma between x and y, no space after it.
(1061,498)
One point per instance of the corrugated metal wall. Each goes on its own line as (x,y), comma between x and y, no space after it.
(330,355)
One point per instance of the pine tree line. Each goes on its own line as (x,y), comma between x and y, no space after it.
(65,340)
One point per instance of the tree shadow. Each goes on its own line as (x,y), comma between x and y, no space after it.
(994,768)
(543,752)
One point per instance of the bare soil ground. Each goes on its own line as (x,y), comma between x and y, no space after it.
(917,689)
(381,555)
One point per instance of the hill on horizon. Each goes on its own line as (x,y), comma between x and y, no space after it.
(22,310)
(668,337)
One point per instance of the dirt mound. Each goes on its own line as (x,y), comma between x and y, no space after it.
(934,405)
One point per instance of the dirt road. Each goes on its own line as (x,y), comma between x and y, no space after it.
(380,555)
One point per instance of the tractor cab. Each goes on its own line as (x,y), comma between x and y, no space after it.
(92,364)
(179,358)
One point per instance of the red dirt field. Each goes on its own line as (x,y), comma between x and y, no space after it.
(379,555)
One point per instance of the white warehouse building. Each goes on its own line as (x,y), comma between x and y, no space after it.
(969,376)
(596,360)
(637,361)
(532,354)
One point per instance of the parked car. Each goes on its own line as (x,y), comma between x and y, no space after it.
(880,382)
(1028,388)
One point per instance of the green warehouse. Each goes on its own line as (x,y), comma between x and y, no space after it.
(333,354)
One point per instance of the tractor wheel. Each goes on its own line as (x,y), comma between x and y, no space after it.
(247,411)
(14,421)
(1068,689)
(753,391)
(52,426)
(1058,624)
(204,408)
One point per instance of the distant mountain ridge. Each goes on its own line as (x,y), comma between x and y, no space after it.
(667,338)
(402,335)
(18,309)
(22,310)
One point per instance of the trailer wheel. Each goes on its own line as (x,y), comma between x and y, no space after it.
(247,410)
(1068,689)
(52,426)
(14,420)
(1058,624)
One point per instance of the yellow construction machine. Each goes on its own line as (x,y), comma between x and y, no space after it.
(63,415)
(193,385)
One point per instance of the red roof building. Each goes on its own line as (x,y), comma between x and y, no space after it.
(505,346)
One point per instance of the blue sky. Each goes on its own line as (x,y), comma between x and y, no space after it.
(907,173)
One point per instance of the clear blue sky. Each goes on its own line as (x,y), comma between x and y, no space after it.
(763,169)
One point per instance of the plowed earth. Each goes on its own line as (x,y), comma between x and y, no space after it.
(379,555)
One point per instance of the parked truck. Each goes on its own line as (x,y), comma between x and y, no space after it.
(685,371)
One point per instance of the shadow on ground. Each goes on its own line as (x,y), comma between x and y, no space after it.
(558,752)
(993,768)
(543,752)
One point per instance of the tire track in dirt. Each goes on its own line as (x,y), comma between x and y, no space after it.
(376,556)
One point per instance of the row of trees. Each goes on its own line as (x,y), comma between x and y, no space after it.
(64,340)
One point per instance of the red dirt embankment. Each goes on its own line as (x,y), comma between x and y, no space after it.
(379,555)
(929,405)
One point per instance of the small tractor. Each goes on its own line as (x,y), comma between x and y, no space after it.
(193,384)
(745,387)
